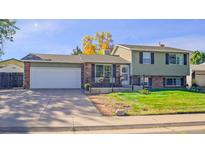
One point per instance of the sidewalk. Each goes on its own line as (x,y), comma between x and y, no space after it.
(104,123)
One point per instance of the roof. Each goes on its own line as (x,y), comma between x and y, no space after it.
(153,48)
(54,58)
(10,60)
(200,67)
(14,61)
(103,59)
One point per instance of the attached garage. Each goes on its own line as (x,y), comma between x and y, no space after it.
(51,71)
(55,77)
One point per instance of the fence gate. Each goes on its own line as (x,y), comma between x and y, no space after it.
(10,80)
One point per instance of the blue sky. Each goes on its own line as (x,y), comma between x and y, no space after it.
(61,36)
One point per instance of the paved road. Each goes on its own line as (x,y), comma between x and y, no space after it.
(23,107)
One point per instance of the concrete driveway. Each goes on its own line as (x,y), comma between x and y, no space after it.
(35,107)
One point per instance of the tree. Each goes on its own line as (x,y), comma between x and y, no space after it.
(105,42)
(99,44)
(76,51)
(197,57)
(7,31)
(88,46)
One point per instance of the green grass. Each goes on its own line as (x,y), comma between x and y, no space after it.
(160,102)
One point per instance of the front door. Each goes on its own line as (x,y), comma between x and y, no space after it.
(124,73)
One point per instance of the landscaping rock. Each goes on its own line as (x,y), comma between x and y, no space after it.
(120,112)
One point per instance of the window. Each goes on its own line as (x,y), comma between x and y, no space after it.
(103,73)
(146,58)
(176,59)
(180,59)
(173,81)
(144,81)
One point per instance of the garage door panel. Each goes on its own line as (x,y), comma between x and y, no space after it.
(54,77)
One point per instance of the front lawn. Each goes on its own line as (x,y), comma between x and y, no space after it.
(158,102)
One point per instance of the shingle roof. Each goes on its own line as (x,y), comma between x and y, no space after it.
(74,58)
(103,59)
(153,48)
(200,67)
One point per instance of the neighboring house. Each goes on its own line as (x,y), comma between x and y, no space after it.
(11,73)
(197,75)
(11,65)
(151,66)
(155,66)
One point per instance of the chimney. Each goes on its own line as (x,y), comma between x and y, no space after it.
(161,44)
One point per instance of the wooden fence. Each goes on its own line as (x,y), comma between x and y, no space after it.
(10,80)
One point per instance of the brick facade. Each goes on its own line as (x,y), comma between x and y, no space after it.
(87,76)
(157,81)
(117,80)
(86,73)
(27,75)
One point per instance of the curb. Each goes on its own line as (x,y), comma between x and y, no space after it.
(93,128)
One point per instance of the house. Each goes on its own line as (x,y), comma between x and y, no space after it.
(11,73)
(11,65)
(72,71)
(197,75)
(150,66)
(155,66)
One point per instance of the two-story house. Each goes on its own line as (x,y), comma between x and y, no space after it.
(150,66)
(155,66)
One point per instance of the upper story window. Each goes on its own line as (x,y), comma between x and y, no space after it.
(180,59)
(176,59)
(146,58)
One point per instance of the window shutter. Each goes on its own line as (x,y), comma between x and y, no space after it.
(114,70)
(182,81)
(164,82)
(93,73)
(152,58)
(167,58)
(150,82)
(185,59)
(141,57)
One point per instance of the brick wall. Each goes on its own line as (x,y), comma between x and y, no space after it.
(117,80)
(27,75)
(87,76)
(87,68)
(157,82)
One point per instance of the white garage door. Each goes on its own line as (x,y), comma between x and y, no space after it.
(55,77)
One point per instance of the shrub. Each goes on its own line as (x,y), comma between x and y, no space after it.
(87,86)
(194,84)
(144,91)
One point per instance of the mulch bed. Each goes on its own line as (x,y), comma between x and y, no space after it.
(100,103)
(106,105)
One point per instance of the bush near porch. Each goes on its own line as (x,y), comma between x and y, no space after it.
(157,102)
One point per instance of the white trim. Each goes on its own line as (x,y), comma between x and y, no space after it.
(104,70)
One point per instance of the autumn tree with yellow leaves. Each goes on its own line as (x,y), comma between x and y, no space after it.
(101,43)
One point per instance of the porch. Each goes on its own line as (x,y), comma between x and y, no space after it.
(105,90)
